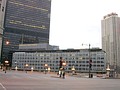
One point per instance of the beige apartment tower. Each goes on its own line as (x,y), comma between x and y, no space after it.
(111,40)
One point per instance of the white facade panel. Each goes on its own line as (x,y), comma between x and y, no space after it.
(79,59)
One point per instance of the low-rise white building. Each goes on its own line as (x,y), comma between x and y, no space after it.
(40,46)
(77,58)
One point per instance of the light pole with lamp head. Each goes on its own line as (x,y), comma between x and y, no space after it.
(26,65)
(49,69)
(108,71)
(6,64)
(46,68)
(90,61)
(3,61)
(73,70)
(16,66)
(32,69)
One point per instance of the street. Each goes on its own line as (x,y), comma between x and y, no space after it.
(20,80)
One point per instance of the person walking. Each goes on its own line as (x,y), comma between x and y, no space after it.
(63,73)
(61,61)
(62,64)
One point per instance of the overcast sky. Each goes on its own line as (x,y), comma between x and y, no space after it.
(74,22)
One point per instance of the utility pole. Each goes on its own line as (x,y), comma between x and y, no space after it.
(90,63)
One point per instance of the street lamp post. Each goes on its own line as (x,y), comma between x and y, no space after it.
(46,68)
(32,69)
(90,61)
(6,42)
(2,61)
(6,64)
(16,66)
(108,71)
(73,70)
(26,65)
(49,69)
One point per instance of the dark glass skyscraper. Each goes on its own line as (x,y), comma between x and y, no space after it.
(25,22)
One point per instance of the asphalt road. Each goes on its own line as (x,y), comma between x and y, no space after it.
(15,80)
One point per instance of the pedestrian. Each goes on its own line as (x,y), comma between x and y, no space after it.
(63,73)
(60,67)
(60,72)
(60,63)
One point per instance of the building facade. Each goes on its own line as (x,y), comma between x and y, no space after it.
(79,59)
(39,46)
(111,40)
(2,16)
(25,22)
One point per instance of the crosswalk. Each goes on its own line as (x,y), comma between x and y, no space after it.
(36,75)
(22,74)
(20,80)
(2,87)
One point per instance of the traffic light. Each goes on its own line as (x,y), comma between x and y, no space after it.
(90,66)
(90,63)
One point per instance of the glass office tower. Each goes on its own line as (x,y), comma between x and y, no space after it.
(25,22)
